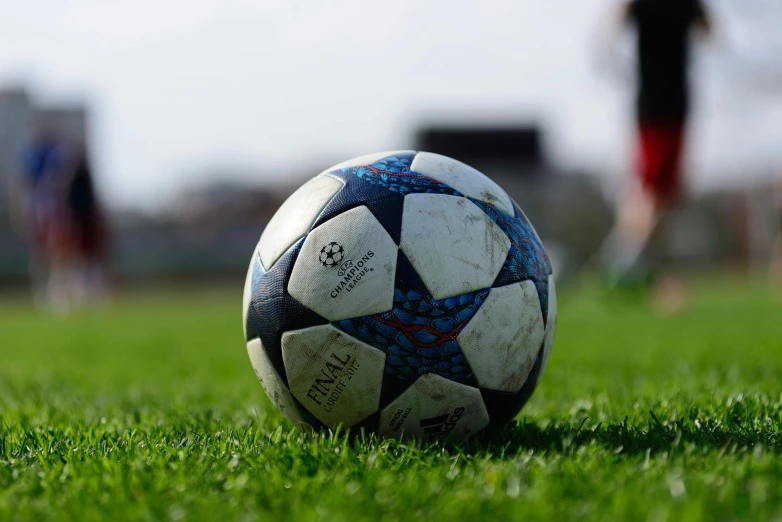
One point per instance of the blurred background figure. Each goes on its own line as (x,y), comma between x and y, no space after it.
(663,102)
(89,231)
(55,208)
(41,214)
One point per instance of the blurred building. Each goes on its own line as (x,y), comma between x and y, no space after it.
(505,152)
(16,117)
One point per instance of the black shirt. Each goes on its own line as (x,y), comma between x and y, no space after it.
(663,56)
(81,196)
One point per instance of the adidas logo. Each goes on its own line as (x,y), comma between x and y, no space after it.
(442,425)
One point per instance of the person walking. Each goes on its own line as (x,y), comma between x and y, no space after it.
(663,101)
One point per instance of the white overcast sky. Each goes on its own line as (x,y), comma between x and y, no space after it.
(177,87)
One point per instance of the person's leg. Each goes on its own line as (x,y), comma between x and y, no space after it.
(637,216)
(39,276)
(64,279)
(38,265)
(93,251)
(643,205)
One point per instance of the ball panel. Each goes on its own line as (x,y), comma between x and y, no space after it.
(252,321)
(452,244)
(337,378)
(273,311)
(435,408)
(248,291)
(503,407)
(275,389)
(295,217)
(463,178)
(369,159)
(502,341)
(353,278)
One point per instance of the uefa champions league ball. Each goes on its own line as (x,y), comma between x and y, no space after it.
(404,293)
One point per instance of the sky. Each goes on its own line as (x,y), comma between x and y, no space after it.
(179,89)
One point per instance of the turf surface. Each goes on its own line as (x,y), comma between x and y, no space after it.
(150,410)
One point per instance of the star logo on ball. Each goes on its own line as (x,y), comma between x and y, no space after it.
(331,254)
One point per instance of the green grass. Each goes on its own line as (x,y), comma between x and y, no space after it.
(150,410)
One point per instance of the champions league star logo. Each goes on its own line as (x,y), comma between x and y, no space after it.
(331,254)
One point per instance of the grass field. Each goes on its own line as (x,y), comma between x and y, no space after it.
(150,410)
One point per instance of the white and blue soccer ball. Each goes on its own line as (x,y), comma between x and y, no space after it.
(400,292)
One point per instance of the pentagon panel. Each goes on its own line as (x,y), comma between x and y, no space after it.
(454,246)
(346,267)
(502,341)
(336,377)
(435,408)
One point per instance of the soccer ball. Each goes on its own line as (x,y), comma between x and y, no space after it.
(401,292)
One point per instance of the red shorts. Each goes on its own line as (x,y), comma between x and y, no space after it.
(53,233)
(659,158)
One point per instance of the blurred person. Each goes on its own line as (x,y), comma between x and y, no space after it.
(664,29)
(55,208)
(89,235)
(41,213)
